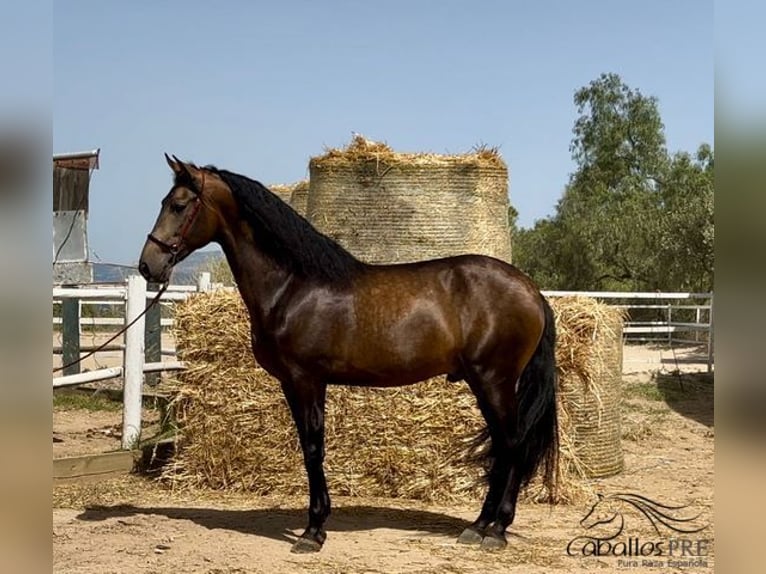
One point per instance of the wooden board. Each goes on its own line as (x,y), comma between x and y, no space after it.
(70,189)
(94,465)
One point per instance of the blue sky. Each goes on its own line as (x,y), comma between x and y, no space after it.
(260,87)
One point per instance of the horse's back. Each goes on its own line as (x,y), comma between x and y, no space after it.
(477,297)
(467,280)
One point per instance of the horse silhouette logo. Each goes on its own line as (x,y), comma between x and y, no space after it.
(607,512)
(605,525)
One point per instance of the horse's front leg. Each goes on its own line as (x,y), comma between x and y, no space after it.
(307,400)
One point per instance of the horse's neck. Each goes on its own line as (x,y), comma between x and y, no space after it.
(259,279)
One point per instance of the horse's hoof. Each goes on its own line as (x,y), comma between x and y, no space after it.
(491,542)
(305,546)
(470,536)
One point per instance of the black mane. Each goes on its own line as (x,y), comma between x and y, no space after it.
(285,236)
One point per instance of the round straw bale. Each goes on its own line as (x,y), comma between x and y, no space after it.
(295,194)
(300,197)
(590,382)
(412,442)
(389,207)
(282,191)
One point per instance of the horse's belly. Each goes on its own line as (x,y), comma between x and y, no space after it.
(401,363)
(395,377)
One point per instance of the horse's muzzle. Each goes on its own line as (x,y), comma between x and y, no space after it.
(155,265)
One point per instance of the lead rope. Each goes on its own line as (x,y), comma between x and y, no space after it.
(151,304)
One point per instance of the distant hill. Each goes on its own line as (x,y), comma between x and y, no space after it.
(185,273)
(108,273)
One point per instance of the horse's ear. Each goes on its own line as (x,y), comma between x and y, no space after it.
(175,164)
(187,171)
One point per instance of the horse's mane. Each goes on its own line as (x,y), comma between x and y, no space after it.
(285,236)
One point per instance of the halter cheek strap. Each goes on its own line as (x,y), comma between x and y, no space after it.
(175,247)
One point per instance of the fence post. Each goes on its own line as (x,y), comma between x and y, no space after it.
(670,324)
(710,343)
(70,334)
(133,363)
(697,319)
(203,282)
(153,338)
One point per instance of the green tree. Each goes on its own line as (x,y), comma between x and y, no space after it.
(611,204)
(686,254)
(631,217)
(554,256)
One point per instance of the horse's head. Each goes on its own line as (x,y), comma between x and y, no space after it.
(604,511)
(188,220)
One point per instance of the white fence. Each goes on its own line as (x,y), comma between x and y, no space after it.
(671,318)
(133,296)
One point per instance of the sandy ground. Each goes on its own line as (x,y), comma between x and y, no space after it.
(81,432)
(133,524)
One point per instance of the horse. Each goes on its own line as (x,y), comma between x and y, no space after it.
(320,316)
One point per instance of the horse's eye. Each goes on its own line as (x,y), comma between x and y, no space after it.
(177,207)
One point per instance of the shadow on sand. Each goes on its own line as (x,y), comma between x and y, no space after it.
(278,523)
(689,394)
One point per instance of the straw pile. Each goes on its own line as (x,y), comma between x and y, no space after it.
(390,207)
(406,442)
(296,194)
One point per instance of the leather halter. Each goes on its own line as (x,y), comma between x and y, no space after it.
(175,247)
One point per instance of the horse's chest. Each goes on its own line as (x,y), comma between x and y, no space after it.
(266,353)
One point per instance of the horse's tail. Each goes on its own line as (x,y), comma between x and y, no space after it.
(536,443)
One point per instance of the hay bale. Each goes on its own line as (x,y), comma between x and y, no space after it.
(237,432)
(300,197)
(281,190)
(295,194)
(389,207)
(589,359)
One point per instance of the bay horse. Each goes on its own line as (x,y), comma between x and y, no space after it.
(319,316)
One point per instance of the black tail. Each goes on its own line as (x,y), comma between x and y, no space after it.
(536,443)
(536,439)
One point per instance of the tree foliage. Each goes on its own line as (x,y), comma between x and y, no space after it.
(632,217)
(686,252)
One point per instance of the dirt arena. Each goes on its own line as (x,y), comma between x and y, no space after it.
(132,524)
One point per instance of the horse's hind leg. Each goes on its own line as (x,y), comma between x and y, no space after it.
(496,403)
(495,537)
(476,532)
